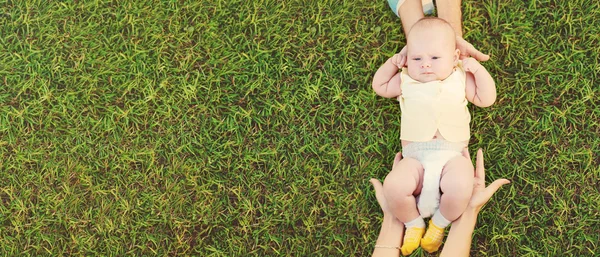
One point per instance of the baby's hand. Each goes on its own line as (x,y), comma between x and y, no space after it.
(399,59)
(471,65)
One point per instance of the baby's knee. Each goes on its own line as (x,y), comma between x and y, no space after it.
(461,191)
(458,177)
(403,180)
(397,185)
(463,162)
(461,168)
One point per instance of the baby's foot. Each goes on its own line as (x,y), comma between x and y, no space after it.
(433,238)
(411,239)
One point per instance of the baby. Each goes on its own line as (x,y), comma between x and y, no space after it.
(433,92)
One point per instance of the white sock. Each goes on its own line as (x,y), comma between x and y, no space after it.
(439,220)
(428,6)
(418,222)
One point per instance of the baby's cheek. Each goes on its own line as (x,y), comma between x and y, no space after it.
(412,72)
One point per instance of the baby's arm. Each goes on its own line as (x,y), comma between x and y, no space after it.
(386,81)
(481,88)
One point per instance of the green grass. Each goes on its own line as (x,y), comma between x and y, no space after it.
(249,128)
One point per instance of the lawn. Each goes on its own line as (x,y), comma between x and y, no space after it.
(249,128)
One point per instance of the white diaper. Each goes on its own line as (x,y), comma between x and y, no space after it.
(433,155)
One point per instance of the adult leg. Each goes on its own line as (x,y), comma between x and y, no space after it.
(409,11)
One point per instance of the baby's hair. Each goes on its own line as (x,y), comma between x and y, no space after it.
(430,22)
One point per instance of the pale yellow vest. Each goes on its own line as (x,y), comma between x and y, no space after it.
(436,105)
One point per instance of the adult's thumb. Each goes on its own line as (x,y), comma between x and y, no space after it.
(493,187)
(377,185)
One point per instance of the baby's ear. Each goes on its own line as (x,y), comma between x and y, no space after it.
(456,57)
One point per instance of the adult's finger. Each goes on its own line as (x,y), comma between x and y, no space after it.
(477,54)
(397,159)
(378,190)
(479,169)
(468,50)
(376,184)
(464,55)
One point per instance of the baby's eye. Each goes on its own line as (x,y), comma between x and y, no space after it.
(435,57)
(416,59)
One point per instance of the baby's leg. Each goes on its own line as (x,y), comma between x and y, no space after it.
(456,185)
(399,188)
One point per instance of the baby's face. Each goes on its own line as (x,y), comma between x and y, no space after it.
(431,55)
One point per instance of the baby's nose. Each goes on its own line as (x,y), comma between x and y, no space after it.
(425,65)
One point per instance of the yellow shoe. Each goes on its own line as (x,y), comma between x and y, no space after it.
(433,238)
(411,240)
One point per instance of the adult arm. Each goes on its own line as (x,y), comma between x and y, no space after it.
(410,12)
(392,230)
(450,11)
(459,238)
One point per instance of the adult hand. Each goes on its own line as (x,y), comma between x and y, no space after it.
(481,193)
(468,50)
